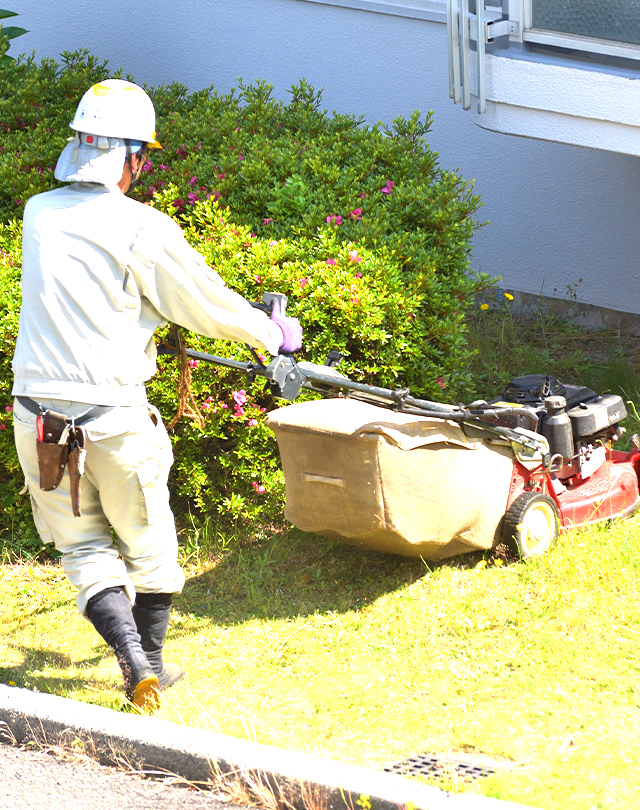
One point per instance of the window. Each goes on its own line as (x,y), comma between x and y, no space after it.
(560,70)
(617,20)
(610,28)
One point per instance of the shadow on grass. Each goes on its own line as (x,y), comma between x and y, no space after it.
(293,574)
(28,675)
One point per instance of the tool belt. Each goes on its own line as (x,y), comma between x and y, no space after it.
(60,444)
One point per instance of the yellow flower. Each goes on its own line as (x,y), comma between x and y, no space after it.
(508,296)
(484,306)
(11,683)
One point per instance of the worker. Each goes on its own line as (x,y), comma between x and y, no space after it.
(101,272)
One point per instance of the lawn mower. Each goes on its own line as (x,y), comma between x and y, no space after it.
(382,469)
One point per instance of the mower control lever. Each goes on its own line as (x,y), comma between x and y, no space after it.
(276,303)
(272,302)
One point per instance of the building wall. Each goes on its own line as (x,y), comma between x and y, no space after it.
(562,219)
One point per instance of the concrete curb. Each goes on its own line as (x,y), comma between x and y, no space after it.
(149,744)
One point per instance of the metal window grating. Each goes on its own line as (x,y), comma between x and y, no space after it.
(438,767)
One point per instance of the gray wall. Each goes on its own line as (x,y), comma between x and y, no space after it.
(556,213)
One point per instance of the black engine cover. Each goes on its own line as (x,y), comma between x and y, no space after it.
(591,417)
(589,413)
(533,389)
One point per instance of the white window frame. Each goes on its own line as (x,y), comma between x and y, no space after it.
(431,10)
(522,10)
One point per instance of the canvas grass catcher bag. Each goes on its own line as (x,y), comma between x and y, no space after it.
(387,481)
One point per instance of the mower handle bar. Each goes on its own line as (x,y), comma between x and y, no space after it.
(286,378)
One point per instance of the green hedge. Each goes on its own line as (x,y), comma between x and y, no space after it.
(358,225)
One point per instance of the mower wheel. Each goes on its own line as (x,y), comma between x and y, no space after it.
(530,525)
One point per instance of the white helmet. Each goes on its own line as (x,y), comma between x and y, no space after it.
(115,108)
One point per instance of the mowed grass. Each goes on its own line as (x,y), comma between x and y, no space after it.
(306,644)
(309,645)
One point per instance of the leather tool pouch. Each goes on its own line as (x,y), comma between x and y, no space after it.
(52,448)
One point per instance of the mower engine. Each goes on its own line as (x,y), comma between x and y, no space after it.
(578,423)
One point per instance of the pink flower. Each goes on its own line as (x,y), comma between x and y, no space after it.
(356,213)
(148,166)
(353,256)
(8,408)
(273,242)
(258,487)
(358,274)
(193,180)
(267,221)
(163,166)
(193,363)
(331,261)
(362,195)
(206,406)
(388,187)
(192,198)
(3,427)
(252,422)
(334,219)
(441,382)
(240,157)
(239,397)
(152,189)
(182,152)
(258,280)
(303,282)
(178,204)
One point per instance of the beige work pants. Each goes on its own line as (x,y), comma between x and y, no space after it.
(124,487)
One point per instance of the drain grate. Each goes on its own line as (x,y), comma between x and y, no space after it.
(439,767)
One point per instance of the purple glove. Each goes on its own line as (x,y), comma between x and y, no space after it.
(291,332)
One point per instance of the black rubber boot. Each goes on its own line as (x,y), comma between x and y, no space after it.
(151,613)
(110,613)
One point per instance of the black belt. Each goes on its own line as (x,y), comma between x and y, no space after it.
(93,413)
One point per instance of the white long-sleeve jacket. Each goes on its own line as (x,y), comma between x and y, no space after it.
(100,273)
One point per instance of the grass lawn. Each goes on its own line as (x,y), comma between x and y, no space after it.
(305,644)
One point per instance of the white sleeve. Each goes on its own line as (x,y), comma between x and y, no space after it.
(177,281)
